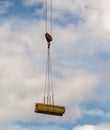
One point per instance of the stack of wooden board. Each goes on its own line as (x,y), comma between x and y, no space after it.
(49,109)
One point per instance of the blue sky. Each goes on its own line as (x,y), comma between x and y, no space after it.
(80,57)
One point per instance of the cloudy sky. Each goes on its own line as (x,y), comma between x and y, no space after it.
(80,57)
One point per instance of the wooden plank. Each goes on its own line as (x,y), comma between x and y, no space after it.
(49,109)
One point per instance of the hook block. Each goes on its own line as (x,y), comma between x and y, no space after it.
(48,37)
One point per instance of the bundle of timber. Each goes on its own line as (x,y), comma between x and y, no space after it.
(49,109)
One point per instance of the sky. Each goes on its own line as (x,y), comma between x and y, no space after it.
(80,60)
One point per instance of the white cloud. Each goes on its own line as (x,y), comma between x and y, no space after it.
(78,85)
(54,127)
(44,127)
(93,127)
(98,112)
(19,74)
(95,112)
(95,25)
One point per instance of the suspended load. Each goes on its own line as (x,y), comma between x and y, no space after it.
(48,107)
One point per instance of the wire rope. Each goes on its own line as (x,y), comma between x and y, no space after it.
(51,16)
(46,16)
(48,90)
